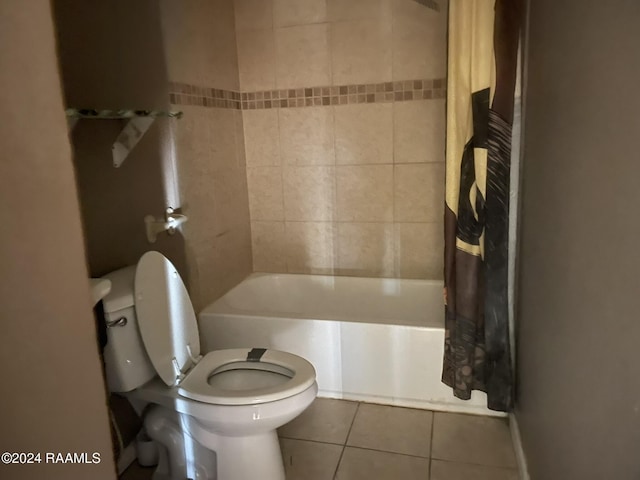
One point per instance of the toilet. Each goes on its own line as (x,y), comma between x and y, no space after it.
(212,415)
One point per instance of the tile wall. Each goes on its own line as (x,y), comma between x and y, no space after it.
(200,45)
(351,181)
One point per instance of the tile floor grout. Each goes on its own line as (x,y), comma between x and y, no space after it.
(369,449)
(429,458)
(475,464)
(432,465)
(346,440)
(433,423)
(313,441)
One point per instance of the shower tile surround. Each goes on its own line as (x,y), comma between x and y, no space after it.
(200,45)
(378,216)
(342,178)
(343,110)
(422,89)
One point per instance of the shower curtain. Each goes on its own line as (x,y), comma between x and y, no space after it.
(483,46)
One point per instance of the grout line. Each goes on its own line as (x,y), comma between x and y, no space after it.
(335,230)
(330,34)
(281,163)
(273,26)
(335,473)
(430,458)
(387,451)
(312,441)
(339,165)
(349,222)
(433,428)
(353,420)
(502,467)
(395,243)
(344,446)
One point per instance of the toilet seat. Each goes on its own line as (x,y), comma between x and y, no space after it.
(196,384)
(169,331)
(166,318)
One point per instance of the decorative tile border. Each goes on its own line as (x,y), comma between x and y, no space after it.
(385,92)
(345,94)
(186,94)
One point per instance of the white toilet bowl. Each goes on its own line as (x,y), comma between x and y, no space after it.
(228,401)
(235,432)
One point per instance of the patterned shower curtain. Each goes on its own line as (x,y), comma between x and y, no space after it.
(483,46)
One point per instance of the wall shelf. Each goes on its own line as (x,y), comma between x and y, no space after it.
(119,114)
(138,123)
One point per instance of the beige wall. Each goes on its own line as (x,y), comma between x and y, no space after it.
(578,401)
(196,163)
(53,397)
(200,44)
(103,70)
(214,190)
(341,185)
(201,52)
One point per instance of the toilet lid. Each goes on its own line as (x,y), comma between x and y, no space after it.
(166,318)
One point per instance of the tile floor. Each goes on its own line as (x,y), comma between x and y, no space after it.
(337,439)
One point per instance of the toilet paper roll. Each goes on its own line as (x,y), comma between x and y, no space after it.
(147,450)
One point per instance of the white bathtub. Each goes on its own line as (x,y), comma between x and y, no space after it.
(370,339)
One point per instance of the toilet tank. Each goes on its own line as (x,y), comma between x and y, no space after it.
(126,362)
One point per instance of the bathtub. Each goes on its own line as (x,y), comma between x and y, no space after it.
(370,339)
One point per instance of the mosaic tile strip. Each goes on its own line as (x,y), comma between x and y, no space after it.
(346,94)
(186,94)
(385,92)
